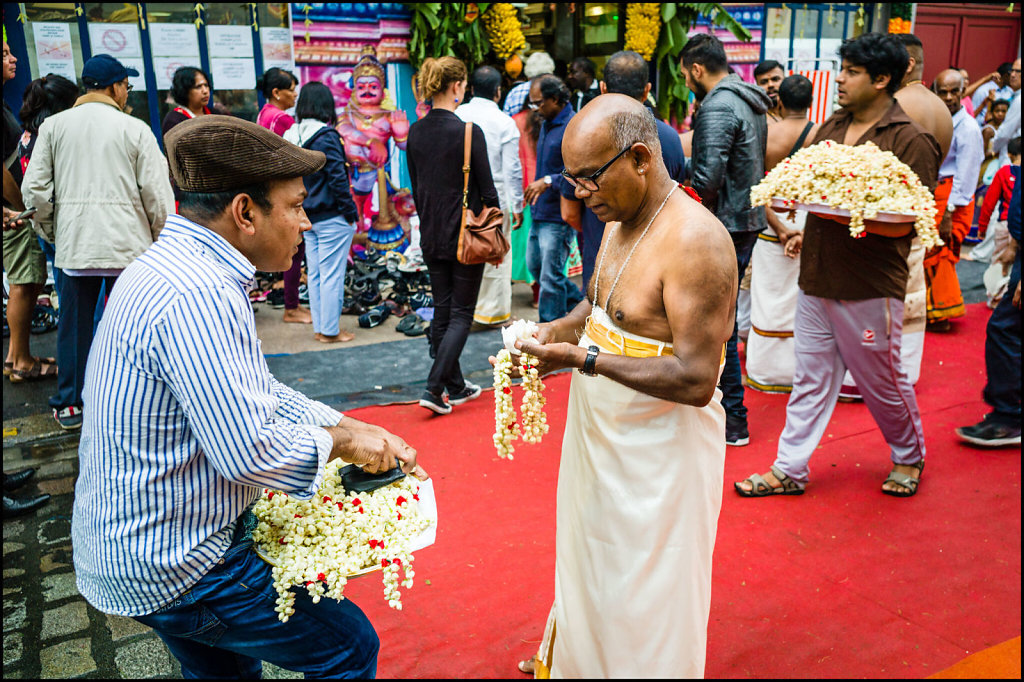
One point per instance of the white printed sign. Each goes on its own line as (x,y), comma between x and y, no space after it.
(137,82)
(233,74)
(117,40)
(171,40)
(277,48)
(164,68)
(229,41)
(53,49)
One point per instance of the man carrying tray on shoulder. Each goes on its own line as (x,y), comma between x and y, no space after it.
(184,425)
(850,307)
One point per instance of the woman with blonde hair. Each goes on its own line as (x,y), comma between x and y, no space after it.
(435,155)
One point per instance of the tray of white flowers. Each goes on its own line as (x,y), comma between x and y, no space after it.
(859,183)
(339,534)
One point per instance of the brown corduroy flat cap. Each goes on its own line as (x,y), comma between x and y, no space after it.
(217,153)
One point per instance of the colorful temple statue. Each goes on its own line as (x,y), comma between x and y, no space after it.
(370,120)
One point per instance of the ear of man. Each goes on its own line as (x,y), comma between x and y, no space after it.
(242,211)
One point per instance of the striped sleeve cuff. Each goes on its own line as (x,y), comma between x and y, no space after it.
(324,445)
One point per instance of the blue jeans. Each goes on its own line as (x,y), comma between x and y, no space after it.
(546,252)
(731,382)
(327,247)
(1002,358)
(82,301)
(225,626)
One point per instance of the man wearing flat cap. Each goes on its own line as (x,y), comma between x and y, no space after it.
(98,182)
(184,425)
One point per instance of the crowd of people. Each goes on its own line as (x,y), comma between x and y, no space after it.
(183,423)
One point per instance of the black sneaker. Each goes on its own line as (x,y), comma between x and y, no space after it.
(434,403)
(736,433)
(275,299)
(990,434)
(470,392)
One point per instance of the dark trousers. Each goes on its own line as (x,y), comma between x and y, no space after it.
(225,626)
(79,297)
(732,377)
(292,276)
(454,287)
(1002,358)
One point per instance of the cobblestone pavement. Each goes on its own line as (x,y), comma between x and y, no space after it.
(50,631)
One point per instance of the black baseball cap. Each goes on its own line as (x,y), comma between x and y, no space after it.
(103,70)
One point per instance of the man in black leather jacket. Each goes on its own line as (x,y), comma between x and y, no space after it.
(729,140)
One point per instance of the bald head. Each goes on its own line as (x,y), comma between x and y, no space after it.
(618,119)
(949,86)
(608,125)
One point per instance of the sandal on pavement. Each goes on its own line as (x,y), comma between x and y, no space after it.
(39,370)
(8,366)
(529,666)
(762,488)
(374,316)
(412,325)
(905,480)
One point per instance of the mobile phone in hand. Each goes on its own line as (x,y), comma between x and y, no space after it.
(24,214)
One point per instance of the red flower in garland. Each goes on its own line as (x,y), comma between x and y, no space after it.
(373,543)
(356,502)
(415,497)
(327,498)
(400,501)
(507,389)
(399,516)
(361,511)
(340,506)
(321,577)
(270,495)
(308,583)
(281,541)
(396,562)
(298,516)
(385,562)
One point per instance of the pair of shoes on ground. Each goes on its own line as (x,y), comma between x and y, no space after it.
(374,316)
(760,487)
(14,506)
(989,433)
(736,433)
(437,404)
(68,418)
(412,325)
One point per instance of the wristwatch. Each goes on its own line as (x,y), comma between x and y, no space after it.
(547,179)
(588,368)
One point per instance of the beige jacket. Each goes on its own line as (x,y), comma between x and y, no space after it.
(99,183)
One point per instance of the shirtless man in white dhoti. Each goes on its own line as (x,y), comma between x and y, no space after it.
(640,481)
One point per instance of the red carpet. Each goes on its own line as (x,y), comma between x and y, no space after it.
(840,582)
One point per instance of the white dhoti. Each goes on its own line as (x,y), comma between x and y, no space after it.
(771,358)
(494,302)
(639,493)
(915,319)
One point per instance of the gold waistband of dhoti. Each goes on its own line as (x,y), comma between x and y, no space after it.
(612,341)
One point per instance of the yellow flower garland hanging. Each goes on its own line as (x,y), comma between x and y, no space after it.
(643,24)
(503,29)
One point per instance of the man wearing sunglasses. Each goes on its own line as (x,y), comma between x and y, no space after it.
(640,480)
(550,236)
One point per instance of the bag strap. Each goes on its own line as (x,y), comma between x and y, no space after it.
(465,170)
(800,142)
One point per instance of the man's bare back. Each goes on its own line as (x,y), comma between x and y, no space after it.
(782,135)
(926,110)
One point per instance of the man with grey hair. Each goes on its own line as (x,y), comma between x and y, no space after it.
(537,64)
(635,525)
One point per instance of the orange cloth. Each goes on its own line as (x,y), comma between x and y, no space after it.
(945,301)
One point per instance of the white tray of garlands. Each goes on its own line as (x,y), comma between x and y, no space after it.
(339,534)
(862,183)
(825,210)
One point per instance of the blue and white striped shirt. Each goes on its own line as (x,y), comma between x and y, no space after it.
(184,424)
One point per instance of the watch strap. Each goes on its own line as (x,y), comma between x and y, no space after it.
(590,363)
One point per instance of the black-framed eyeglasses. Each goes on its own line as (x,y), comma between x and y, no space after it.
(589,182)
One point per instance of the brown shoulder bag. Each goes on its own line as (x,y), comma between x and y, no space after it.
(481,239)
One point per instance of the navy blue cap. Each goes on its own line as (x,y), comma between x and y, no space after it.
(103,70)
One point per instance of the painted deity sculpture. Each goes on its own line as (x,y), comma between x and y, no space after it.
(368,123)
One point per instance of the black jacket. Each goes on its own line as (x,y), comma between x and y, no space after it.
(328,188)
(434,152)
(730,137)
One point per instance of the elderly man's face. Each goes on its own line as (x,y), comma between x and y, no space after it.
(277,231)
(620,186)
(949,88)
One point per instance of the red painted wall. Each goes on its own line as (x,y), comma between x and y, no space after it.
(975,37)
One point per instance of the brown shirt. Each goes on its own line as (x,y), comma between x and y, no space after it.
(832,264)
